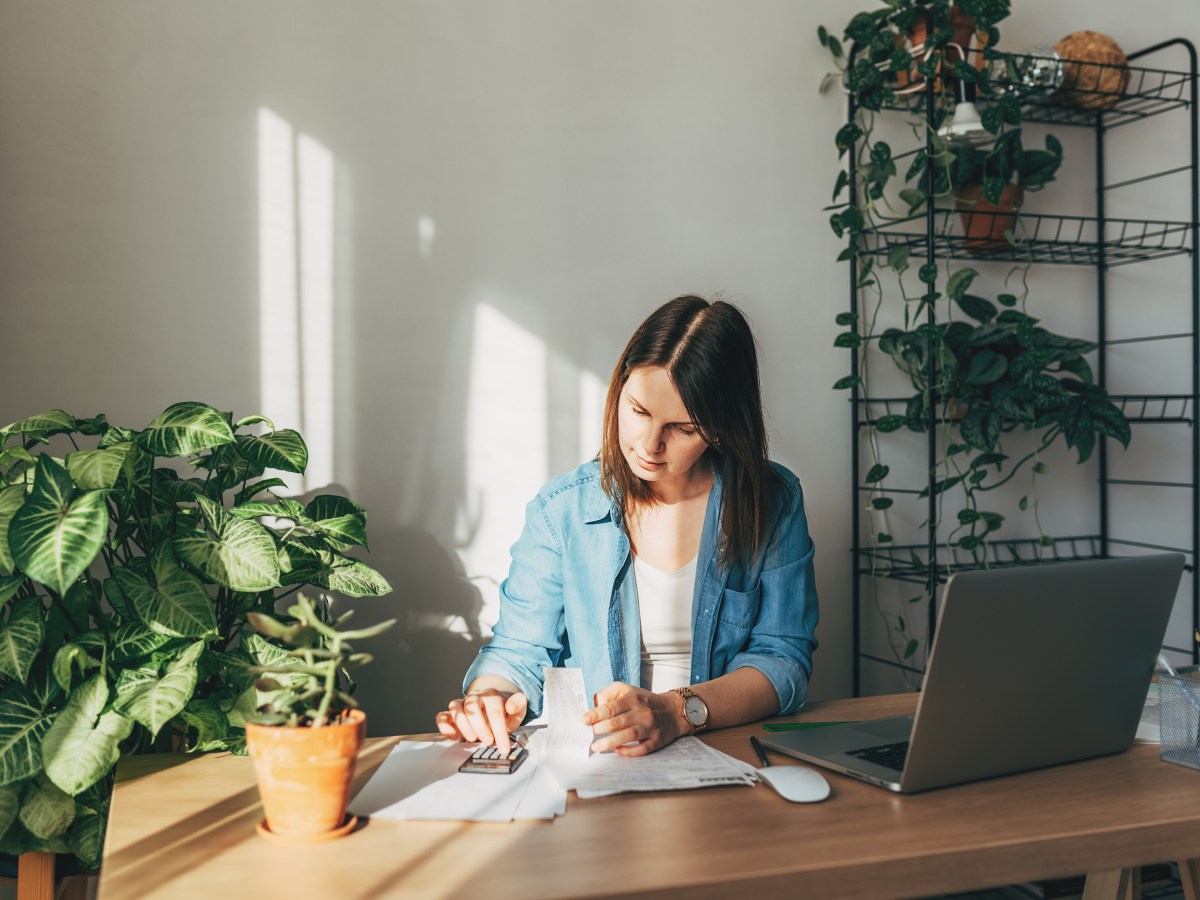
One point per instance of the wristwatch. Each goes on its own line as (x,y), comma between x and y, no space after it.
(695,710)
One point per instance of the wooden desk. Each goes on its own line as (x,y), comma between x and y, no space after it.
(184,827)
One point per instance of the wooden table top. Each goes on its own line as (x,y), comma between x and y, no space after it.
(185,826)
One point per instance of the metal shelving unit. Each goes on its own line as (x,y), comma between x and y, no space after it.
(1097,241)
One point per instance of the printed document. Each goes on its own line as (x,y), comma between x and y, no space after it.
(563,749)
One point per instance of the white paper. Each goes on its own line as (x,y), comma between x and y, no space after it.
(420,780)
(686,763)
(565,702)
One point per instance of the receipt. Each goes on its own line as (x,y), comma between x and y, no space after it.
(565,736)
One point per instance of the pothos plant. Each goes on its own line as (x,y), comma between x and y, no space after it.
(997,370)
(128,567)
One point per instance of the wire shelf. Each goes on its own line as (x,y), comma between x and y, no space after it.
(1150,408)
(1038,238)
(1148,92)
(1089,99)
(906,562)
(1139,409)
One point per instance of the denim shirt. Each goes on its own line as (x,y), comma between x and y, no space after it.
(570,598)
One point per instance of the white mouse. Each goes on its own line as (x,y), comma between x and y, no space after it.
(799,784)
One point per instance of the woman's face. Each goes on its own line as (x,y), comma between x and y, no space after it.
(658,438)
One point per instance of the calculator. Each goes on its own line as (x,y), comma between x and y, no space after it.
(490,761)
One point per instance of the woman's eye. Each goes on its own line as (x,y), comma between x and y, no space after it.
(639,412)
(687,432)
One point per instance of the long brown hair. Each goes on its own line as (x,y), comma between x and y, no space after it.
(709,354)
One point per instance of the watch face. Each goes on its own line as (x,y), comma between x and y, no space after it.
(696,711)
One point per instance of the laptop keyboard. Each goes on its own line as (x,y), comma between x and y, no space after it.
(890,756)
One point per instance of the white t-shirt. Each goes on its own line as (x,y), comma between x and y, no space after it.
(665,601)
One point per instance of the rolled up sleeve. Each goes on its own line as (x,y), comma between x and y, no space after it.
(529,634)
(782,638)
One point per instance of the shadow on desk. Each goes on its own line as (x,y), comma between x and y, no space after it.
(177,847)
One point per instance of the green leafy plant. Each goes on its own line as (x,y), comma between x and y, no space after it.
(996,370)
(1006,161)
(305,687)
(128,567)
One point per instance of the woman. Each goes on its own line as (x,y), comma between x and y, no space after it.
(675,570)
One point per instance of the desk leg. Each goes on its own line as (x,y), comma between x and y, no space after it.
(35,876)
(1189,877)
(1116,884)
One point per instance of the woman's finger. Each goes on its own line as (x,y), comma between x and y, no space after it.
(515,707)
(614,740)
(462,721)
(493,711)
(477,716)
(445,724)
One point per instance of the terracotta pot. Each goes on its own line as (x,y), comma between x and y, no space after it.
(965,35)
(304,774)
(984,223)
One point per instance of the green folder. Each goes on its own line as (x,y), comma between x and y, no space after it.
(797,726)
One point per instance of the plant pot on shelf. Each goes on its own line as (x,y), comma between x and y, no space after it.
(984,223)
(304,775)
(966,35)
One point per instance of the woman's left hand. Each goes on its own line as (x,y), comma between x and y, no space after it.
(624,714)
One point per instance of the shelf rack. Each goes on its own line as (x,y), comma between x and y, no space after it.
(1099,242)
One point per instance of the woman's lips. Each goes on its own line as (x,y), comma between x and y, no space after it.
(647,464)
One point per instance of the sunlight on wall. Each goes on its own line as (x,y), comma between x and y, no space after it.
(426,230)
(316,307)
(506,446)
(296,271)
(591,413)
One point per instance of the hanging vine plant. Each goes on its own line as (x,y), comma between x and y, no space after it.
(997,371)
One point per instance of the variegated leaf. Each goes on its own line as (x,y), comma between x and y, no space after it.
(21,637)
(9,585)
(83,743)
(68,658)
(11,499)
(175,603)
(352,578)
(284,450)
(98,469)
(331,506)
(134,640)
(241,556)
(23,727)
(155,701)
(10,802)
(211,724)
(86,839)
(41,426)
(342,531)
(46,810)
(186,428)
(57,533)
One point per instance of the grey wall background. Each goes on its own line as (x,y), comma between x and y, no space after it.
(467,207)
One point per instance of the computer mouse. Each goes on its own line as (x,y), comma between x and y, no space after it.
(799,784)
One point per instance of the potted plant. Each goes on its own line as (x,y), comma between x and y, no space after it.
(994,373)
(990,184)
(306,735)
(129,560)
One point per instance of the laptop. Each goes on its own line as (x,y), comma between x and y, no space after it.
(1030,667)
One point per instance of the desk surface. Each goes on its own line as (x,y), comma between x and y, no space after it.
(184,826)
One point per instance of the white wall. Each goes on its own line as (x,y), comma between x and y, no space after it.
(483,199)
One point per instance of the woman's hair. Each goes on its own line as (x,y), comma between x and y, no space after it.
(708,352)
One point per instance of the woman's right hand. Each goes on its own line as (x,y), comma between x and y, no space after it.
(486,716)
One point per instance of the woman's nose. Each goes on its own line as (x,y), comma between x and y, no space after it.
(654,439)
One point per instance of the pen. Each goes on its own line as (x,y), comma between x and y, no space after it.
(758,748)
(1165,665)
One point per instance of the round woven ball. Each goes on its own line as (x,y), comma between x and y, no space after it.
(1095,70)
